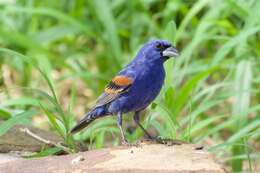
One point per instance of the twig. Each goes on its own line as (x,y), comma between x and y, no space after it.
(28,132)
(45,141)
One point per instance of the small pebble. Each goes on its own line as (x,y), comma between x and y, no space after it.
(77,160)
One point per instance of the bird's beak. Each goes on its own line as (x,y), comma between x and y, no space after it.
(170,52)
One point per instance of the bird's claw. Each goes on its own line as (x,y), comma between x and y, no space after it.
(171,142)
(126,143)
(168,142)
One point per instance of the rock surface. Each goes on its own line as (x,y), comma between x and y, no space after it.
(4,158)
(16,140)
(183,158)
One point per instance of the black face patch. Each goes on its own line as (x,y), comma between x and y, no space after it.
(161,46)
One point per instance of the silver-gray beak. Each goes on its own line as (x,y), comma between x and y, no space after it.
(170,52)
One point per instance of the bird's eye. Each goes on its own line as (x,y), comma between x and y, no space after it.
(159,46)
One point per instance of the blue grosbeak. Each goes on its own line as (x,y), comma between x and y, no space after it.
(134,87)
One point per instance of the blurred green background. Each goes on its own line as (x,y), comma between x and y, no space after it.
(57,56)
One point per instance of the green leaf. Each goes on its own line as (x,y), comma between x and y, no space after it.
(45,152)
(4,114)
(16,119)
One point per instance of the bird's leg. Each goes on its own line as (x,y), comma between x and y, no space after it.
(156,139)
(119,124)
(137,121)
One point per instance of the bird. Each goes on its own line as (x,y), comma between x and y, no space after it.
(133,88)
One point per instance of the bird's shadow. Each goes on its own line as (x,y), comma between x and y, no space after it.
(164,141)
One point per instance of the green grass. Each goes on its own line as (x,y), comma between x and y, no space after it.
(57,56)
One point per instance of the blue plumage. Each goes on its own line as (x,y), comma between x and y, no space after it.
(134,87)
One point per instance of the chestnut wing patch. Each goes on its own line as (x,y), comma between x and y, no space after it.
(117,86)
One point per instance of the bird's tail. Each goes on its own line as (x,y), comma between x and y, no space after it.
(88,118)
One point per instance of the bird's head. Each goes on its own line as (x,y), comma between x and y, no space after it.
(157,51)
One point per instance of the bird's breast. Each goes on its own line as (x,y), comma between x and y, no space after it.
(151,83)
(144,90)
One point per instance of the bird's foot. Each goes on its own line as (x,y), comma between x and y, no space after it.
(126,143)
(150,140)
(171,142)
(168,142)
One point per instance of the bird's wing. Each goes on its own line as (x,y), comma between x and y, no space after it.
(118,85)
